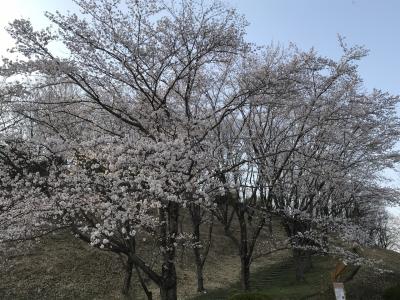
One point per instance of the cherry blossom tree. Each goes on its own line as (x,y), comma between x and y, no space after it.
(336,139)
(308,148)
(154,79)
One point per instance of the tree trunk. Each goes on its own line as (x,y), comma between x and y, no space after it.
(168,287)
(143,284)
(183,249)
(169,230)
(302,258)
(300,264)
(196,220)
(245,272)
(128,276)
(243,250)
(308,261)
(168,293)
(199,271)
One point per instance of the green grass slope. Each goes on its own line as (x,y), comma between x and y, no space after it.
(62,267)
(278,280)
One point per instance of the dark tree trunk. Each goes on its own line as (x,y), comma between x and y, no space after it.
(248,234)
(169,218)
(303,263)
(245,272)
(199,255)
(196,220)
(302,258)
(168,287)
(149,295)
(168,293)
(243,250)
(128,276)
(200,277)
(308,261)
(183,249)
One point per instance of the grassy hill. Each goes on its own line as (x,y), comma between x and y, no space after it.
(62,267)
(278,280)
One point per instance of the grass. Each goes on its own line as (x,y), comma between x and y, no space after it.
(62,267)
(250,296)
(278,281)
(369,284)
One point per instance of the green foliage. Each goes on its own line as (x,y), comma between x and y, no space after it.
(392,293)
(250,296)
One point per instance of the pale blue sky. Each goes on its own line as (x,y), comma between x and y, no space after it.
(307,23)
(372,23)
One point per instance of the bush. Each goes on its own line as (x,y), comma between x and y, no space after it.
(392,293)
(250,296)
